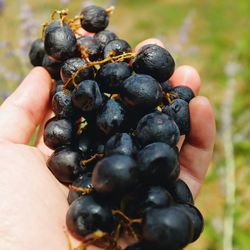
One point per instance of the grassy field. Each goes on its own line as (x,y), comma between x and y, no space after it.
(214,37)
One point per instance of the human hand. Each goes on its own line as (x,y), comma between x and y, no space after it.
(33,203)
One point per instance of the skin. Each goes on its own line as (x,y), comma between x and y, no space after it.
(33,203)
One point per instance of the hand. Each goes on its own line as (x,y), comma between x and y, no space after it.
(33,203)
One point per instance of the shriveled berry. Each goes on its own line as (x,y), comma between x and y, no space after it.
(155,61)
(94,18)
(73,65)
(87,215)
(87,96)
(62,105)
(58,132)
(183,92)
(60,41)
(141,91)
(65,164)
(157,127)
(111,117)
(158,164)
(37,52)
(115,174)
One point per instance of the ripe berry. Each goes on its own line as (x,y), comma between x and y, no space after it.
(181,192)
(60,41)
(111,76)
(116,47)
(65,164)
(168,228)
(115,174)
(104,37)
(37,52)
(52,66)
(86,215)
(183,92)
(158,164)
(120,143)
(58,133)
(73,65)
(144,198)
(141,92)
(94,19)
(166,86)
(196,218)
(179,111)
(90,46)
(155,61)
(157,127)
(83,181)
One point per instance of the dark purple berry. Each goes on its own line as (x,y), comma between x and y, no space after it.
(157,127)
(111,76)
(52,66)
(116,47)
(60,41)
(65,164)
(141,92)
(87,215)
(183,92)
(115,174)
(84,182)
(179,111)
(87,96)
(94,19)
(58,132)
(90,46)
(110,118)
(62,105)
(196,218)
(120,143)
(158,164)
(79,65)
(155,61)
(104,37)
(37,52)
(181,192)
(168,228)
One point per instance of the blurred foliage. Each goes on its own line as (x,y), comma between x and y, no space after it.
(208,35)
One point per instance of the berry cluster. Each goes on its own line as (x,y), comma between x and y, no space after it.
(114,134)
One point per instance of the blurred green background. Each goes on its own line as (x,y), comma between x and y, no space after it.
(211,35)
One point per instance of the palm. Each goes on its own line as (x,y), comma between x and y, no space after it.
(33,203)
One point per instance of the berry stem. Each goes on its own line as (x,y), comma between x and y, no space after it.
(110,10)
(88,190)
(118,58)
